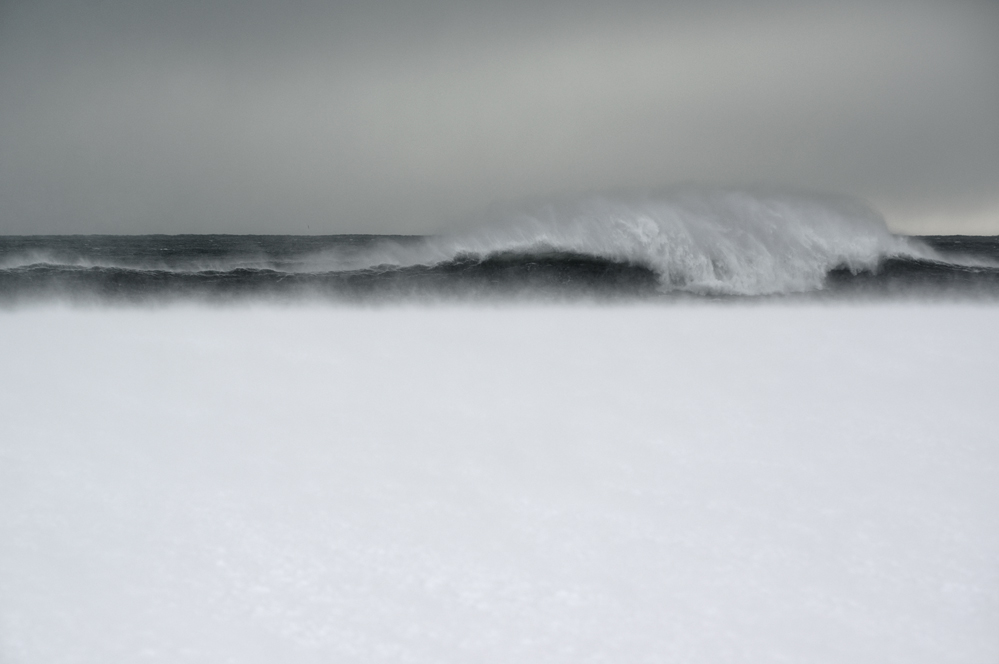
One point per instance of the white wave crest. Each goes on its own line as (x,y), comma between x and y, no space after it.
(720,241)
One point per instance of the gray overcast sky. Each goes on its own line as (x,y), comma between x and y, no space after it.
(133,116)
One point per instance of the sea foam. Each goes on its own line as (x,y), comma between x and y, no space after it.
(701,484)
(701,240)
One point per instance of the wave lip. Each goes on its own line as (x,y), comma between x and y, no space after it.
(691,242)
(703,241)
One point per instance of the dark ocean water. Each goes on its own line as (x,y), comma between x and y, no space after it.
(132,269)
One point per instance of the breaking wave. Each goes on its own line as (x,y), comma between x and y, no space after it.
(691,241)
(728,242)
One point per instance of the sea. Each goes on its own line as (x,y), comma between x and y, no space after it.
(702,426)
(691,244)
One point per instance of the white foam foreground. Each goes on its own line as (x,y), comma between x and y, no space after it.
(562,484)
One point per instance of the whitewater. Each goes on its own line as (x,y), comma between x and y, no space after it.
(560,484)
(724,428)
(691,242)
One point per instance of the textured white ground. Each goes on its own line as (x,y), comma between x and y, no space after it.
(564,484)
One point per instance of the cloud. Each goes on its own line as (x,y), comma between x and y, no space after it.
(402,117)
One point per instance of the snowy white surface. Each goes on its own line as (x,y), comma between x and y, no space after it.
(564,484)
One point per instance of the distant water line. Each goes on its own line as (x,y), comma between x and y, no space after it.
(690,244)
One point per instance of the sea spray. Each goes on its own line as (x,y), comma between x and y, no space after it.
(690,242)
(702,240)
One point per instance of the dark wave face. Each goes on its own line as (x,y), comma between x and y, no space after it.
(716,245)
(264,267)
(266,274)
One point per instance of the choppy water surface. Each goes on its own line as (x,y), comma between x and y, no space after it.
(689,244)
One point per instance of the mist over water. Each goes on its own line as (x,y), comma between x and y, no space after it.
(688,242)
